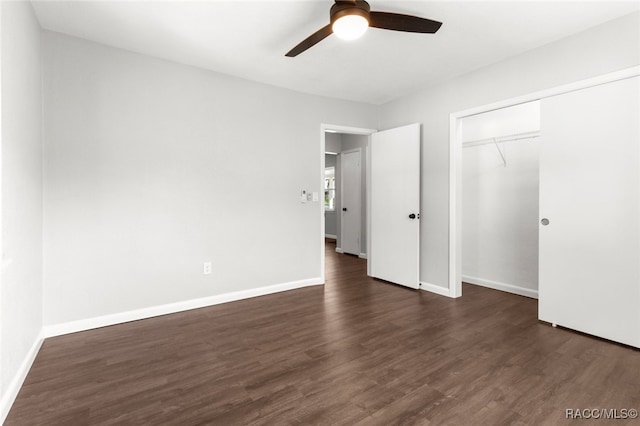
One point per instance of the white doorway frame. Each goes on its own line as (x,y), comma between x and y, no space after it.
(334,128)
(455,160)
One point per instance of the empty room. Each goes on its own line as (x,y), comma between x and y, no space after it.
(319,212)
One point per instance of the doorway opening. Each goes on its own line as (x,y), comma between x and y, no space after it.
(500,181)
(344,177)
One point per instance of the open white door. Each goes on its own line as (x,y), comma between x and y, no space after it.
(395,205)
(351,190)
(590,211)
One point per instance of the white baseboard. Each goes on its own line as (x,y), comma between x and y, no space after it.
(361,255)
(442,291)
(153,311)
(11,392)
(509,288)
(331,236)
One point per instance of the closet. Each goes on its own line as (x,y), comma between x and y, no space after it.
(583,229)
(500,177)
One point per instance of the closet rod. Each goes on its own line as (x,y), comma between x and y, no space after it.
(508,138)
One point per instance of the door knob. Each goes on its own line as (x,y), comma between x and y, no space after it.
(344,209)
(412,216)
(544,221)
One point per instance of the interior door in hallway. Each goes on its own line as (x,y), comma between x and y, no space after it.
(351,201)
(395,205)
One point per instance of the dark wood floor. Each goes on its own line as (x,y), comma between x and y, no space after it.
(354,352)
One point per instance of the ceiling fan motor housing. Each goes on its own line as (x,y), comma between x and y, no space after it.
(345,8)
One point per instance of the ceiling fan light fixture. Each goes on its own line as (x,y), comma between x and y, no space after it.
(349,19)
(350,27)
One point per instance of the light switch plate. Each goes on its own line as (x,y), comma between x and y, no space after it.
(315,196)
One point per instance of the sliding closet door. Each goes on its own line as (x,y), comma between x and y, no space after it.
(589,211)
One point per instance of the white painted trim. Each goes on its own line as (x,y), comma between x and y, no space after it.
(554,91)
(362,255)
(331,236)
(321,204)
(334,128)
(367,152)
(509,288)
(455,192)
(4,264)
(153,311)
(339,250)
(11,392)
(432,288)
(455,214)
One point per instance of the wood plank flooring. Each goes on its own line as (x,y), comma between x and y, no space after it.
(354,352)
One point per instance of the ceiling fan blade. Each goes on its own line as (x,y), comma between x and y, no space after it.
(400,22)
(310,41)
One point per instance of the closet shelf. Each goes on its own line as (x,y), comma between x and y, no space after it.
(500,139)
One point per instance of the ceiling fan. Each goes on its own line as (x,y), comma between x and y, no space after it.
(350,19)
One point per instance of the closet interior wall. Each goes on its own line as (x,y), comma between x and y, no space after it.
(500,188)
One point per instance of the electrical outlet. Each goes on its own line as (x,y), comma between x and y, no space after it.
(207,268)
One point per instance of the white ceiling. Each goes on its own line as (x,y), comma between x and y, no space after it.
(249,39)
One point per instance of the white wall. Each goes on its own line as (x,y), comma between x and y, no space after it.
(332,142)
(21,276)
(152,168)
(500,216)
(609,47)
